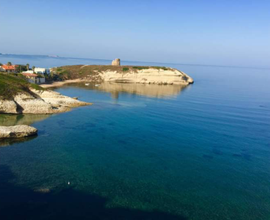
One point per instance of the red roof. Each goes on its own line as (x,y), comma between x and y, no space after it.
(30,74)
(11,67)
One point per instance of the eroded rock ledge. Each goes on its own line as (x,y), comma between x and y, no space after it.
(17,131)
(39,102)
(150,75)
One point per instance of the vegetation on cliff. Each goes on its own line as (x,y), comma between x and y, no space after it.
(81,71)
(12,84)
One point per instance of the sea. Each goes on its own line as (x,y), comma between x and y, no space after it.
(200,152)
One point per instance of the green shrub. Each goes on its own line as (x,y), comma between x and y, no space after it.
(140,67)
(185,78)
(12,84)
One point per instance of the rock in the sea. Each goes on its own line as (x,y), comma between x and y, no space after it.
(17,131)
(116,62)
(43,190)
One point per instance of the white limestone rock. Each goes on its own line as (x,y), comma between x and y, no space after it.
(17,131)
(148,76)
(39,102)
(8,106)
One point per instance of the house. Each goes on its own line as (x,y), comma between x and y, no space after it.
(33,78)
(28,71)
(42,70)
(9,68)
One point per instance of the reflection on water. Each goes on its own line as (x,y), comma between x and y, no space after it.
(149,90)
(8,142)
(157,91)
(11,120)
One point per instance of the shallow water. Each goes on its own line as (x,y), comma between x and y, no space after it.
(148,152)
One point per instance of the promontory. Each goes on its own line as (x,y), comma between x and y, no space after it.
(122,74)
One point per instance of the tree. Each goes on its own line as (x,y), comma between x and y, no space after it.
(27,66)
(20,68)
(33,68)
(9,63)
(1,64)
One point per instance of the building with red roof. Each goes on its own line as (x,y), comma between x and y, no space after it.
(33,78)
(9,68)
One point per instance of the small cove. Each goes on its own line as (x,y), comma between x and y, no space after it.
(199,152)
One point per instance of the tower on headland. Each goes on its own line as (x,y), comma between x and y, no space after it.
(116,62)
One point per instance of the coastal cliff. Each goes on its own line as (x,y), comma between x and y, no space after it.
(17,96)
(124,74)
(149,75)
(39,102)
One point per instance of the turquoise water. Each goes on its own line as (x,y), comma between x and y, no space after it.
(200,152)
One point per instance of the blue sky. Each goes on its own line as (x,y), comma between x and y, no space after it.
(220,32)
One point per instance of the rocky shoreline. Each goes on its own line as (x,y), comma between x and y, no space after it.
(44,101)
(39,102)
(119,74)
(36,102)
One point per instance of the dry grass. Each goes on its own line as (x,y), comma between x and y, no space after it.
(12,84)
(81,71)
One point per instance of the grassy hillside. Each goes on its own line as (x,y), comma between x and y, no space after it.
(12,84)
(80,71)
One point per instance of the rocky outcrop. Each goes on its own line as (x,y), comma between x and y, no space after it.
(8,106)
(57,100)
(17,131)
(123,74)
(116,62)
(39,102)
(150,75)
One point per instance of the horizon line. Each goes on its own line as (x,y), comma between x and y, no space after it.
(184,64)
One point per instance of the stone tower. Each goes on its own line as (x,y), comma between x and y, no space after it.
(116,62)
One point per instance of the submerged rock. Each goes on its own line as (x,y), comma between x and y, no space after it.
(43,190)
(17,131)
(5,142)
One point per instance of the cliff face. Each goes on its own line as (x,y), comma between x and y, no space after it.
(39,102)
(148,76)
(124,74)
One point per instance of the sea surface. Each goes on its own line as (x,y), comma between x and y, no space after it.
(200,152)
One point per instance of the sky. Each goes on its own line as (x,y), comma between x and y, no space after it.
(207,32)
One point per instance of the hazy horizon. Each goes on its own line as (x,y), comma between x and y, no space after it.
(109,61)
(205,33)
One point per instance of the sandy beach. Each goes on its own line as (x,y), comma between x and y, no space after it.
(59,84)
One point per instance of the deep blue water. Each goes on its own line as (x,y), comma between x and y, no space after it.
(155,152)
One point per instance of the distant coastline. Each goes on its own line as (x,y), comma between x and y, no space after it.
(29,55)
(133,61)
